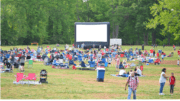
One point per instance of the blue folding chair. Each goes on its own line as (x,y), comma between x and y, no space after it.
(106,64)
(71,62)
(79,58)
(103,60)
(151,61)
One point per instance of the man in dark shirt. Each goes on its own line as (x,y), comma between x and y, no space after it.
(12,60)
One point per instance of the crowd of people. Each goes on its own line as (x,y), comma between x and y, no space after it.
(16,58)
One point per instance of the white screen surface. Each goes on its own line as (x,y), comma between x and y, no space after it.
(89,33)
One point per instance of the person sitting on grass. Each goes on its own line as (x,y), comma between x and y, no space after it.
(123,73)
(2,67)
(129,73)
(157,61)
(83,64)
(121,65)
(131,58)
(169,55)
(124,62)
(58,62)
(137,71)
(163,55)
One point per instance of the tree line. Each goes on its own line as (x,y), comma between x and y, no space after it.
(52,21)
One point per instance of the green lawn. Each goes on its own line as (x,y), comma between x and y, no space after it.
(77,84)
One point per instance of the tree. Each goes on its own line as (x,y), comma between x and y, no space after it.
(166,13)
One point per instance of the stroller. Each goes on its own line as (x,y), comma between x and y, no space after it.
(8,67)
(43,76)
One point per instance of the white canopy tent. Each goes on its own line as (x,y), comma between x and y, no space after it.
(115,41)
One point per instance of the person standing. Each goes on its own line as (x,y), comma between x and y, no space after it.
(178,62)
(93,45)
(99,47)
(162,81)
(163,45)
(154,53)
(151,52)
(174,47)
(132,83)
(12,60)
(172,81)
(22,62)
(117,63)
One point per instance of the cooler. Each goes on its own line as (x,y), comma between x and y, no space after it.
(100,74)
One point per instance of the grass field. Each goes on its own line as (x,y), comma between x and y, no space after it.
(77,84)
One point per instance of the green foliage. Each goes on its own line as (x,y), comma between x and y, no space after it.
(52,21)
(166,13)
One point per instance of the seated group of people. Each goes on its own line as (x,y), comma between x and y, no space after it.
(123,72)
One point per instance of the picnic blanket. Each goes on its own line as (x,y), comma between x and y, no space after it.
(124,77)
(86,69)
(27,82)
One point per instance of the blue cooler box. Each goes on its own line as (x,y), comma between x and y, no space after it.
(100,74)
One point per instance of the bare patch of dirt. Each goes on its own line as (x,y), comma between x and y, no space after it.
(169,62)
(72,75)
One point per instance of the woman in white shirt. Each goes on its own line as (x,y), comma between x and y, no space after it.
(162,81)
(122,72)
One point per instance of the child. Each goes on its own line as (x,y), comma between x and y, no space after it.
(172,80)
(178,62)
(109,60)
(174,47)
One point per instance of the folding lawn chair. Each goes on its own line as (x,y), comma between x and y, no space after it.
(30,63)
(31,76)
(54,63)
(106,64)
(19,77)
(150,61)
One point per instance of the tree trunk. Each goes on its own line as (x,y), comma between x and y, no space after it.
(144,39)
(113,31)
(147,38)
(137,42)
(88,11)
(117,31)
(77,11)
(152,38)
(168,40)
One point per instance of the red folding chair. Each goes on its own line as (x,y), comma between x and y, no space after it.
(122,55)
(31,76)
(19,77)
(73,67)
